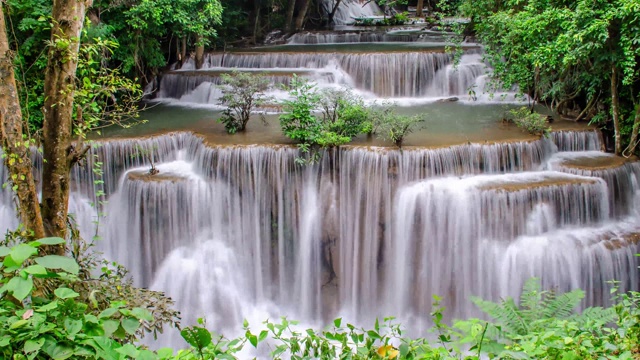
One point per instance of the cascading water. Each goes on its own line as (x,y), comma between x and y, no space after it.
(349,10)
(246,232)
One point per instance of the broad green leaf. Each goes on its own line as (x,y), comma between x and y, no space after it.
(107,313)
(65,293)
(110,326)
(36,270)
(130,325)
(129,350)
(59,262)
(59,351)
(18,324)
(20,287)
(196,336)
(337,322)
(142,314)
(48,241)
(48,307)
(22,252)
(73,326)
(165,353)
(4,251)
(33,345)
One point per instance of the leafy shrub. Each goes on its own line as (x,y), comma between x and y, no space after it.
(394,127)
(531,122)
(36,323)
(241,92)
(343,116)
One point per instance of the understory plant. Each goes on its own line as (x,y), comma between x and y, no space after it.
(530,121)
(394,127)
(242,92)
(343,116)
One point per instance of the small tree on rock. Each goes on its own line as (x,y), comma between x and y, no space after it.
(241,93)
(394,127)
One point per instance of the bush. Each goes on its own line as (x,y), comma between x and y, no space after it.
(394,127)
(531,122)
(241,92)
(343,116)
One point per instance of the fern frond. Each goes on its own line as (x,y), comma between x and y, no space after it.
(595,317)
(563,306)
(514,316)
(531,300)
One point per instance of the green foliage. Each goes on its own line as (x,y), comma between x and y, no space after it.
(530,121)
(391,126)
(241,93)
(36,324)
(564,53)
(395,20)
(343,116)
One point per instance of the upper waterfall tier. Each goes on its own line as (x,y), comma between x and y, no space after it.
(375,72)
(349,10)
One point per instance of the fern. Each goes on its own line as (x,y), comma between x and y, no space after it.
(563,306)
(536,307)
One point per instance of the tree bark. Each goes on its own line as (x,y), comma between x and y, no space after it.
(199,51)
(419,8)
(18,157)
(302,15)
(289,20)
(615,109)
(634,133)
(59,154)
(333,11)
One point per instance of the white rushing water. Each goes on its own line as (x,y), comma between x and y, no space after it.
(244,232)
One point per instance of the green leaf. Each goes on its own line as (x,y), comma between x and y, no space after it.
(107,313)
(129,350)
(165,353)
(33,345)
(48,307)
(65,293)
(196,336)
(48,241)
(22,252)
(59,262)
(4,251)
(110,327)
(142,314)
(130,325)
(337,322)
(18,324)
(36,270)
(20,287)
(263,335)
(59,351)
(73,326)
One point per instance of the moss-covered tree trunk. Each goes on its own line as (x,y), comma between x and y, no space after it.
(18,159)
(199,51)
(615,109)
(59,154)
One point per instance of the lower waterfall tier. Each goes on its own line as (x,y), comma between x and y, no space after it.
(246,232)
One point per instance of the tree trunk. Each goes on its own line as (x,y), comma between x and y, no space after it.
(183,50)
(419,8)
(59,154)
(634,133)
(18,159)
(289,20)
(615,109)
(302,14)
(333,11)
(199,51)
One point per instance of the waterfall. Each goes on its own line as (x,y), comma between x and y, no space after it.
(349,10)
(233,232)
